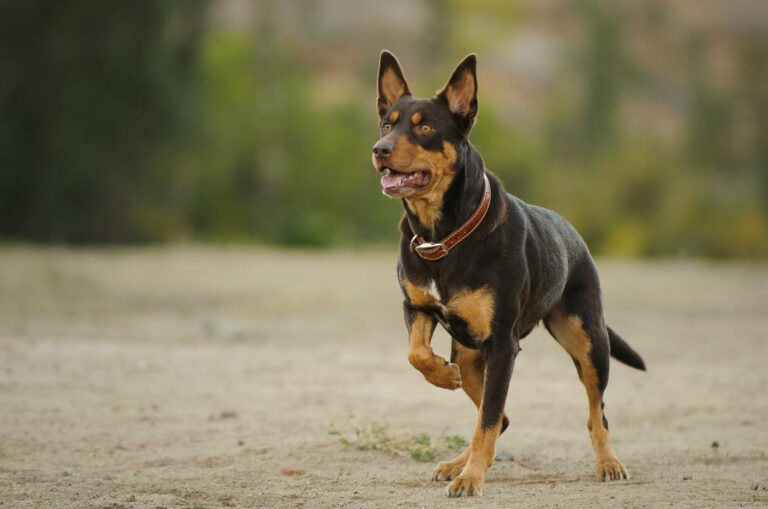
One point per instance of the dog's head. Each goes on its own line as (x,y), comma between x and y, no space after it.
(420,138)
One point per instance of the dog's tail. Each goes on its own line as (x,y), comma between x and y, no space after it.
(621,351)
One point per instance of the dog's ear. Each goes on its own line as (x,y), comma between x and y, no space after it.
(392,85)
(460,93)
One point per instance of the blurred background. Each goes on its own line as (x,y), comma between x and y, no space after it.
(644,122)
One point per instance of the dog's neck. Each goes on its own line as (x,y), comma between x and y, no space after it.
(436,218)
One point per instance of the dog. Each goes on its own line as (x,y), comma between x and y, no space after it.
(487,267)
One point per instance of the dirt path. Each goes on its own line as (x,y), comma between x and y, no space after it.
(190,377)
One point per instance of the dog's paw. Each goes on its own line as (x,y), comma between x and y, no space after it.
(611,469)
(448,376)
(447,470)
(466,483)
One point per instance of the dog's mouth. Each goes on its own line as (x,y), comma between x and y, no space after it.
(398,184)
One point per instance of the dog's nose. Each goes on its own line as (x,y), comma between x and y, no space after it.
(382,149)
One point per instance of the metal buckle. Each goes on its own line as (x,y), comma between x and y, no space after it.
(413,241)
(427,246)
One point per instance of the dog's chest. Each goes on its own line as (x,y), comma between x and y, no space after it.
(427,295)
(433,293)
(461,309)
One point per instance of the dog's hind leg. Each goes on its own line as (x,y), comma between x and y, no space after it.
(579,328)
(472,367)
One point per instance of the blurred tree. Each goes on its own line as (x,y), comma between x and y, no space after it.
(88,91)
(603,67)
(753,53)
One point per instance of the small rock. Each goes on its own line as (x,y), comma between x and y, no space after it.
(291,472)
(132,498)
(228,414)
(715,444)
(687,477)
(241,442)
(505,456)
(66,473)
(108,478)
(755,486)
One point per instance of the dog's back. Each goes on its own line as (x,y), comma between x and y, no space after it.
(555,256)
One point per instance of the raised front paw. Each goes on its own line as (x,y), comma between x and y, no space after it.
(467,483)
(446,376)
(611,469)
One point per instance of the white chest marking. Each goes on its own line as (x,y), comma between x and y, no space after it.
(432,290)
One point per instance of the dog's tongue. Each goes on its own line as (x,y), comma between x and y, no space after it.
(395,183)
(393,180)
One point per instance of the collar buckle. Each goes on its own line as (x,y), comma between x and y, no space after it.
(429,246)
(420,247)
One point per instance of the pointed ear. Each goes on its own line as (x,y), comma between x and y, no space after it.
(392,85)
(460,93)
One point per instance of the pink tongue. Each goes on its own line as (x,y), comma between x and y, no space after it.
(392,180)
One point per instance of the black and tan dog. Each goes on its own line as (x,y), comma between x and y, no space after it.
(485,265)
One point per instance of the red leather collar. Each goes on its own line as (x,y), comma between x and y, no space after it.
(436,250)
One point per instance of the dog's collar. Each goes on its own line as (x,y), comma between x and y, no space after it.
(436,250)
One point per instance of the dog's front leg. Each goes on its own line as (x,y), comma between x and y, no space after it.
(500,353)
(435,369)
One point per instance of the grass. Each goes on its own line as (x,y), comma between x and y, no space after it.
(381,437)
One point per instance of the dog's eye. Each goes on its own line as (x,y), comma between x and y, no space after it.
(386,127)
(425,128)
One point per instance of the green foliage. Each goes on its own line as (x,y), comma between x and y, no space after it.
(151,121)
(270,164)
(420,447)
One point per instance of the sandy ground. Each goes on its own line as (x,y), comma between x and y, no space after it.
(190,377)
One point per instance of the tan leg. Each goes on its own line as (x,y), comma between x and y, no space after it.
(471,367)
(490,419)
(435,369)
(569,332)
(482,453)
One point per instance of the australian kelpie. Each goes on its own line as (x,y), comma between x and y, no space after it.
(486,266)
